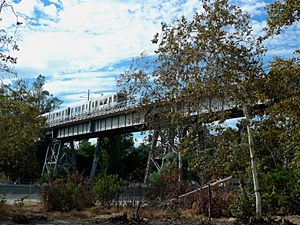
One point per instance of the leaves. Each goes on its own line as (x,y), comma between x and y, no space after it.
(21,126)
(282,14)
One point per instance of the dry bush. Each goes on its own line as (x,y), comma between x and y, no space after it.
(66,194)
(166,187)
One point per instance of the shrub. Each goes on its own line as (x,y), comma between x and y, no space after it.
(221,199)
(4,178)
(281,191)
(65,194)
(106,188)
(243,207)
(165,186)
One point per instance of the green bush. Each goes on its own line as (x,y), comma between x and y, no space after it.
(280,191)
(106,188)
(243,207)
(65,194)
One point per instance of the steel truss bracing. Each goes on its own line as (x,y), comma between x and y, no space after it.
(163,143)
(60,156)
(157,153)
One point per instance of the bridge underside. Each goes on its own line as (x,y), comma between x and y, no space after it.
(117,124)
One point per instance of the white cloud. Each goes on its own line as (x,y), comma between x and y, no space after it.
(78,85)
(254,7)
(89,34)
(68,39)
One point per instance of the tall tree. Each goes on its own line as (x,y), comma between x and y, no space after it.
(210,63)
(20,129)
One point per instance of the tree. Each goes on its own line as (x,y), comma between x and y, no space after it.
(115,150)
(115,154)
(20,129)
(283,82)
(283,114)
(84,156)
(42,98)
(282,14)
(209,61)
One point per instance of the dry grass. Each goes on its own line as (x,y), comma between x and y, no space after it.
(7,211)
(96,212)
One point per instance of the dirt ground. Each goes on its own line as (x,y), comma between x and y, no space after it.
(35,214)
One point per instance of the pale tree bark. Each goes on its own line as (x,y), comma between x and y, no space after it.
(179,154)
(253,163)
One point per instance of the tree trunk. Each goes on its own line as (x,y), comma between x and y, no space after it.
(253,164)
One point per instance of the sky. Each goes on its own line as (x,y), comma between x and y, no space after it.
(82,45)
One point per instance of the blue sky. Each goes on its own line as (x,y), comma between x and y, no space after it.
(84,44)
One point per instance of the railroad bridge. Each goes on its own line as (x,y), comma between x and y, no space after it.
(119,119)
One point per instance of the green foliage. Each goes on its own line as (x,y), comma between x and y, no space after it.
(21,128)
(84,157)
(106,188)
(200,65)
(282,14)
(4,178)
(135,162)
(114,149)
(44,101)
(65,194)
(281,191)
(164,185)
(243,206)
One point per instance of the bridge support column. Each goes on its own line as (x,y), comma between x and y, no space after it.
(73,156)
(95,162)
(60,156)
(150,157)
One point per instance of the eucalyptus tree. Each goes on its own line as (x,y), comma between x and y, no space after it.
(211,60)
